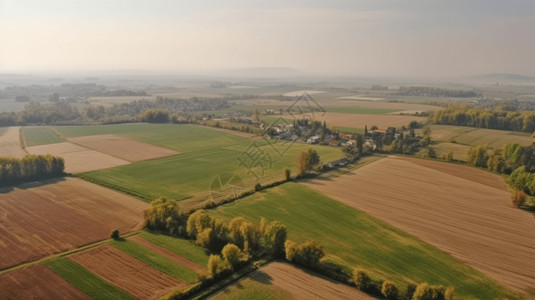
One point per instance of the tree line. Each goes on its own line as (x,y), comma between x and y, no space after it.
(466,115)
(30,167)
(514,160)
(436,92)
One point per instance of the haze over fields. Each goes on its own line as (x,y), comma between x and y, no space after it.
(367,37)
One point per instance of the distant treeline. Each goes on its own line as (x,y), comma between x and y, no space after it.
(31,167)
(465,115)
(36,113)
(435,92)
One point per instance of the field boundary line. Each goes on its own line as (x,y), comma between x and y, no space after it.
(65,253)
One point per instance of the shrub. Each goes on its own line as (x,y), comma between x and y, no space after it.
(287,174)
(115,234)
(426,292)
(290,248)
(518,197)
(449,294)
(389,290)
(409,291)
(257,187)
(361,279)
(307,254)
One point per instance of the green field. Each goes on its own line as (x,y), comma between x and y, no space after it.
(352,238)
(86,281)
(349,130)
(250,289)
(35,136)
(206,153)
(477,136)
(179,246)
(157,261)
(360,110)
(459,151)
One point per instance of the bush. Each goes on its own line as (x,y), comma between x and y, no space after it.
(518,197)
(361,279)
(449,294)
(115,234)
(307,254)
(411,288)
(287,174)
(426,292)
(389,290)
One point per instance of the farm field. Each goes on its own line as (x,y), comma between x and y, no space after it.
(37,282)
(167,265)
(284,281)
(39,219)
(478,136)
(77,158)
(205,155)
(352,238)
(359,110)
(127,273)
(460,152)
(10,143)
(471,217)
(168,254)
(85,281)
(35,136)
(181,247)
(121,147)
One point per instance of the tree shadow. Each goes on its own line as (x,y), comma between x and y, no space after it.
(261,277)
(30,184)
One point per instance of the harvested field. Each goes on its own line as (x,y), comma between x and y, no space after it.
(127,273)
(361,120)
(10,143)
(300,284)
(122,147)
(168,254)
(462,211)
(38,282)
(39,220)
(78,159)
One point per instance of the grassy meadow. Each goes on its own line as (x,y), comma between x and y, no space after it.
(35,136)
(352,238)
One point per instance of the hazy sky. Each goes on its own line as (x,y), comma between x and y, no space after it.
(355,37)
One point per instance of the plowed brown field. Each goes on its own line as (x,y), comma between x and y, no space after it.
(36,221)
(127,273)
(168,254)
(10,143)
(303,285)
(463,211)
(122,147)
(78,159)
(37,282)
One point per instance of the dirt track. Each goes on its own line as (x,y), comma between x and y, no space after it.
(38,282)
(121,147)
(168,254)
(79,159)
(302,285)
(10,143)
(127,273)
(463,211)
(36,221)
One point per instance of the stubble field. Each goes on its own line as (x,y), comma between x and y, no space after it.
(463,211)
(58,215)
